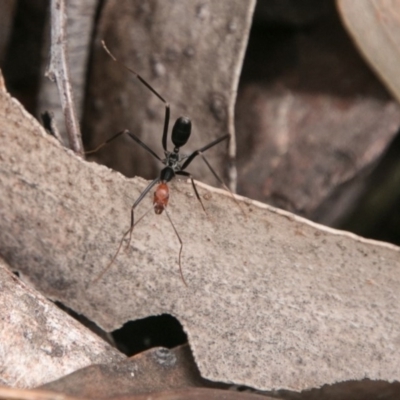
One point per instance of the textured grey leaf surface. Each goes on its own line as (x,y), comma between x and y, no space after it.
(273,301)
(38,341)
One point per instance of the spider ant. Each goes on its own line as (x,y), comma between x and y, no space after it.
(175,164)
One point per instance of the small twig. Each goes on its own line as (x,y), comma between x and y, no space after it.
(58,71)
(232,170)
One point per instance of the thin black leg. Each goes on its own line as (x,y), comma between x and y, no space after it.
(130,230)
(166,124)
(185,173)
(106,142)
(213,170)
(142,144)
(154,91)
(118,249)
(101,274)
(133,136)
(197,152)
(136,203)
(221,182)
(181,248)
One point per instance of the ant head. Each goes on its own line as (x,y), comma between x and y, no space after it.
(181,131)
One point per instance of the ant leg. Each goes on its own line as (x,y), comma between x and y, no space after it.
(200,153)
(222,183)
(181,248)
(197,152)
(138,141)
(106,142)
(166,123)
(133,136)
(130,230)
(213,171)
(145,83)
(101,274)
(185,173)
(136,203)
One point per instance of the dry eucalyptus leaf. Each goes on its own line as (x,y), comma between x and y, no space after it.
(160,370)
(29,394)
(190,52)
(375,28)
(38,342)
(312,121)
(152,371)
(273,300)
(183,394)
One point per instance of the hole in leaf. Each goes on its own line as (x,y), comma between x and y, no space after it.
(136,336)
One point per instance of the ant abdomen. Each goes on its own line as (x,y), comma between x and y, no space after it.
(161,197)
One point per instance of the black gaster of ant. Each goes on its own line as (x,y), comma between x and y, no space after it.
(175,164)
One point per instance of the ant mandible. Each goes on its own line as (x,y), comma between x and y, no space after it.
(175,164)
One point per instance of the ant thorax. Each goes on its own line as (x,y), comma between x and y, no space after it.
(173,159)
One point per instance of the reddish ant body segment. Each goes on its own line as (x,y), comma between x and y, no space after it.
(161,197)
(175,164)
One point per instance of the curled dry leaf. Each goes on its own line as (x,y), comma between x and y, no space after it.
(375,28)
(153,371)
(39,342)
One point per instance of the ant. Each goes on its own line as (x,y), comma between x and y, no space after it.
(175,164)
